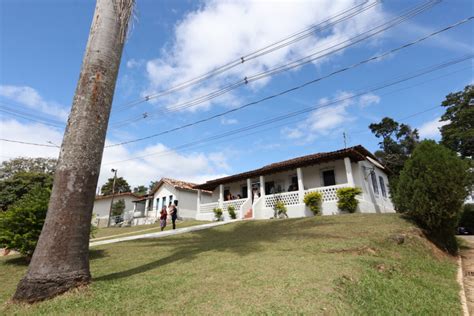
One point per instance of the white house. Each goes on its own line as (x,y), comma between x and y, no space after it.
(102,205)
(255,192)
(147,209)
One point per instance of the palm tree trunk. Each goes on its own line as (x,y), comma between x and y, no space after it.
(61,258)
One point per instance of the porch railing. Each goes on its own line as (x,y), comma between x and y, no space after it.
(289,198)
(235,203)
(208,207)
(329,192)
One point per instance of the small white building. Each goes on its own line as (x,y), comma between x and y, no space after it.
(102,204)
(147,208)
(254,193)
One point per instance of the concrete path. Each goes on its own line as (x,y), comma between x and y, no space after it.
(162,234)
(467,257)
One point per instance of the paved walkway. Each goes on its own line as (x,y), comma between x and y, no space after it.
(467,256)
(161,234)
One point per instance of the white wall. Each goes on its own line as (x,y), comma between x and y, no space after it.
(102,206)
(312,175)
(187,201)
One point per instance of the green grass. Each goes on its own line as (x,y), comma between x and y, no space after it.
(113,232)
(344,264)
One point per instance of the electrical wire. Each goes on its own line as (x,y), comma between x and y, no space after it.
(296,87)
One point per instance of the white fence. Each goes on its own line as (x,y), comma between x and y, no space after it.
(208,207)
(235,203)
(289,198)
(329,192)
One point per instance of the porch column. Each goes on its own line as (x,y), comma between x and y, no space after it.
(147,203)
(299,174)
(221,196)
(198,207)
(262,186)
(350,177)
(249,188)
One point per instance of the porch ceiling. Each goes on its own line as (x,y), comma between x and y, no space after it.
(356,153)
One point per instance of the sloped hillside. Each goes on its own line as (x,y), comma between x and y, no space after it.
(362,264)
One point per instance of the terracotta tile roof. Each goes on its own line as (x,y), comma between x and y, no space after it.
(356,153)
(177,184)
(102,197)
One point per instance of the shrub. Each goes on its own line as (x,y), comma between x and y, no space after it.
(231,211)
(21,224)
(431,190)
(467,217)
(347,199)
(280,209)
(313,201)
(218,213)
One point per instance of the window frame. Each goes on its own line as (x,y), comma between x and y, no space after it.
(322,176)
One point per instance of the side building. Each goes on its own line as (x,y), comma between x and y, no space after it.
(102,206)
(147,208)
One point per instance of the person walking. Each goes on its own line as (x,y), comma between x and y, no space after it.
(173,210)
(163,217)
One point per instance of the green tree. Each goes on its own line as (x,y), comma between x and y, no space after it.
(152,185)
(21,165)
(458,133)
(21,224)
(398,143)
(431,190)
(140,190)
(118,207)
(13,188)
(121,186)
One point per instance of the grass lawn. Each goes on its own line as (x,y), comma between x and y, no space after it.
(346,264)
(112,232)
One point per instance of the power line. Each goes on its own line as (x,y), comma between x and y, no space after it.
(296,87)
(340,17)
(288,66)
(29,116)
(26,143)
(304,110)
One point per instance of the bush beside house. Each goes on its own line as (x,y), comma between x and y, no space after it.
(313,201)
(431,190)
(347,199)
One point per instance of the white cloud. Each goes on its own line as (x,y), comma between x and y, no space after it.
(133,63)
(229,121)
(369,99)
(324,121)
(221,31)
(431,128)
(160,162)
(29,97)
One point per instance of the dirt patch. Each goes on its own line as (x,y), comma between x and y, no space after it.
(364,250)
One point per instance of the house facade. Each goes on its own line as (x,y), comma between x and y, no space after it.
(254,193)
(102,205)
(147,209)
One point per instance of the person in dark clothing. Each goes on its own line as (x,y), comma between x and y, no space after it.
(173,210)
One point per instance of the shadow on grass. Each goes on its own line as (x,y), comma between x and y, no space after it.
(241,238)
(24,261)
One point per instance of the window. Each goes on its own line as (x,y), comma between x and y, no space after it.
(329,178)
(382,186)
(171,199)
(163,203)
(373,177)
(270,187)
(244,192)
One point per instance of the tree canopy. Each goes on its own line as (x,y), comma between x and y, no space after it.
(13,188)
(398,143)
(22,164)
(121,186)
(458,133)
(140,190)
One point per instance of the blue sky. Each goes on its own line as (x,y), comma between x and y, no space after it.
(43,42)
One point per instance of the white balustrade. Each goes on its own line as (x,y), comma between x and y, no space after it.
(208,207)
(288,198)
(329,192)
(235,203)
